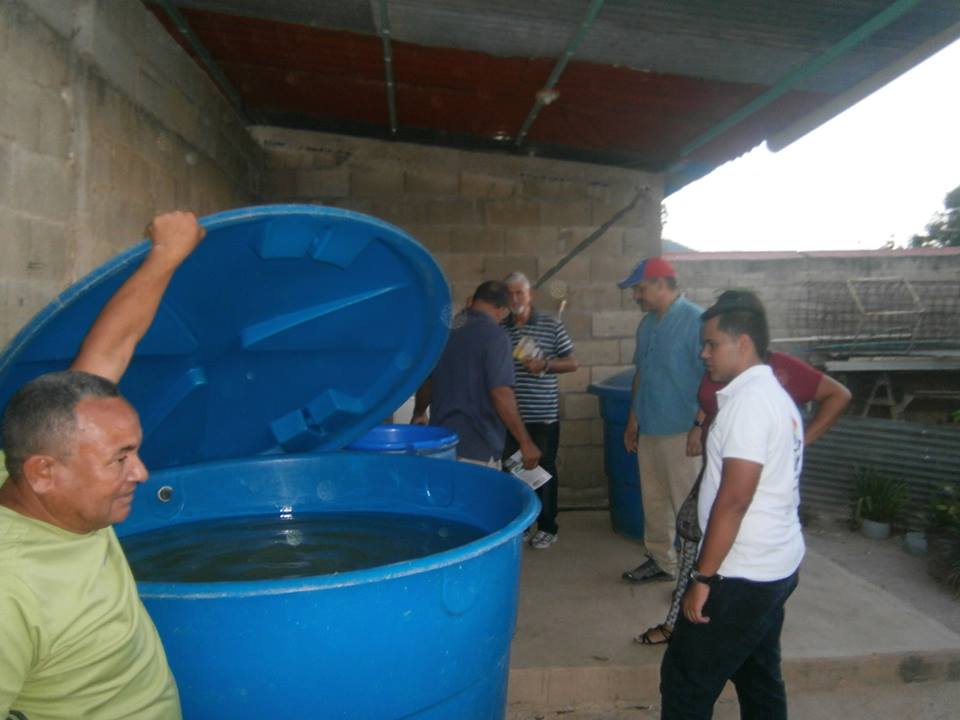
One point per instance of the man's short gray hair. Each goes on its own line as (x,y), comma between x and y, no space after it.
(40,418)
(517,277)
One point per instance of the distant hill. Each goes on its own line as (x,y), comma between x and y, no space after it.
(669,246)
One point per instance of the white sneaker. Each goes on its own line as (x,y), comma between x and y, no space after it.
(542,540)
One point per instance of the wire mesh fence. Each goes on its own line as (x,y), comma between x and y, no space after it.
(881,315)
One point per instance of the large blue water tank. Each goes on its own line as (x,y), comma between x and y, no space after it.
(623,475)
(425,638)
(290,332)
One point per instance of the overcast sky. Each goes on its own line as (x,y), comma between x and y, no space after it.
(878,172)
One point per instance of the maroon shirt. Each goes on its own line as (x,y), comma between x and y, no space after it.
(798,379)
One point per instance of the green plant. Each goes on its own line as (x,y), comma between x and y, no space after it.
(879,497)
(943,517)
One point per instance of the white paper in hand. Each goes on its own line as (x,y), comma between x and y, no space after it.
(534,478)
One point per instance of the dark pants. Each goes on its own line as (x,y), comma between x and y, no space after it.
(740,643)
(545,436)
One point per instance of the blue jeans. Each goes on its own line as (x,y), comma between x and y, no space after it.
(740,643)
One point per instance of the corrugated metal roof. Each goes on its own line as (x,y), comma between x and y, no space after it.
(925,457)
(648,79)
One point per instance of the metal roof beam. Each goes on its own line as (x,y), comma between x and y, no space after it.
(544,96)
(384,32)
(205,57)
(804,71)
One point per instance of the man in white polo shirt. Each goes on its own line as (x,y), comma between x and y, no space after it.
(752,545)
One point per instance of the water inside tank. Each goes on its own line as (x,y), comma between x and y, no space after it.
(289,546)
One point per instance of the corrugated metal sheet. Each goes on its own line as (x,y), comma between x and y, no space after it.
(926,457)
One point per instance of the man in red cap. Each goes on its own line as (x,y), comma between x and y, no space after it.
(663,403)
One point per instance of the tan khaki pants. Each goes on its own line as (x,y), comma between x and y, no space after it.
(666,478)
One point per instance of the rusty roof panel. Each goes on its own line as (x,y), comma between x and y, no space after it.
(649,78)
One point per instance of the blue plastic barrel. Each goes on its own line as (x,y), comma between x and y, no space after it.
(623,475)
(427,638)
(428,440)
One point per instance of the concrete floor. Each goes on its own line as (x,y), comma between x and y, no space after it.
(844,637)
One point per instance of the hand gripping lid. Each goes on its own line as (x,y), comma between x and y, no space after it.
(290,328)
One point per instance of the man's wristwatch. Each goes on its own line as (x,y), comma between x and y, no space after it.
(707,580)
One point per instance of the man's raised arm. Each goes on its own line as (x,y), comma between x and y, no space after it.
(108,347)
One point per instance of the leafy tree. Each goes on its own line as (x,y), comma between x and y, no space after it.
(944,229)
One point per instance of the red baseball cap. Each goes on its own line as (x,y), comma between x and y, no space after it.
(654,267)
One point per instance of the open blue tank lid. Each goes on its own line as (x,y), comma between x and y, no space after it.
(291,328)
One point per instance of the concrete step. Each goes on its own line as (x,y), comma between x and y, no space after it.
(573,645)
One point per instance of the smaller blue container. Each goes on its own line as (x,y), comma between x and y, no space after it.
(623,475)
(427,440)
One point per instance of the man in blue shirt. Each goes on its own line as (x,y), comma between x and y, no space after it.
(471,389)
(663,405)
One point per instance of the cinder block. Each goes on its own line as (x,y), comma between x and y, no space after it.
(580,466)
(443,212)
(578,324)
(608,269)
(511,212)
(594,297)
(575,272)
(598,352)
(610,244)
(566,214)
(461,266)
(497,268)
(577,406)
(462,292)
(361,205)
(436,238)
(597,426)
(615,323)
(393,211)
(480,186)
(31,46)
(576,381)
(599,373)
(382,182)
(431,182)
(627,348)
(543,188)
(41,185)
(481,239)
(638,216)
(639,244)
(279,184)
(21,300)
(576,432)
(35,117)
(326,183)
(531,240)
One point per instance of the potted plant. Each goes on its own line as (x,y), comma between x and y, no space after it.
(943,536)
(915,537)
(880,500)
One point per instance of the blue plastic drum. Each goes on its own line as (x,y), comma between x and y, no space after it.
(426,638)
(429,440)
(623,475)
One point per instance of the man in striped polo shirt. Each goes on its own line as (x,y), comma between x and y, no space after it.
(545,351)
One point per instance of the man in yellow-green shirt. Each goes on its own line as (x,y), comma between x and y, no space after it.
(75,640)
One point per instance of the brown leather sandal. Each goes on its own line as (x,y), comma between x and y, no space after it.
(646,638)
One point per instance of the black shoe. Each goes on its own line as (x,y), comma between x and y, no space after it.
(646,572)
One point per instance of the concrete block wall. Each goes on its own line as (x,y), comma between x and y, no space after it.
(788,282)
(483,216)
(104,120)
